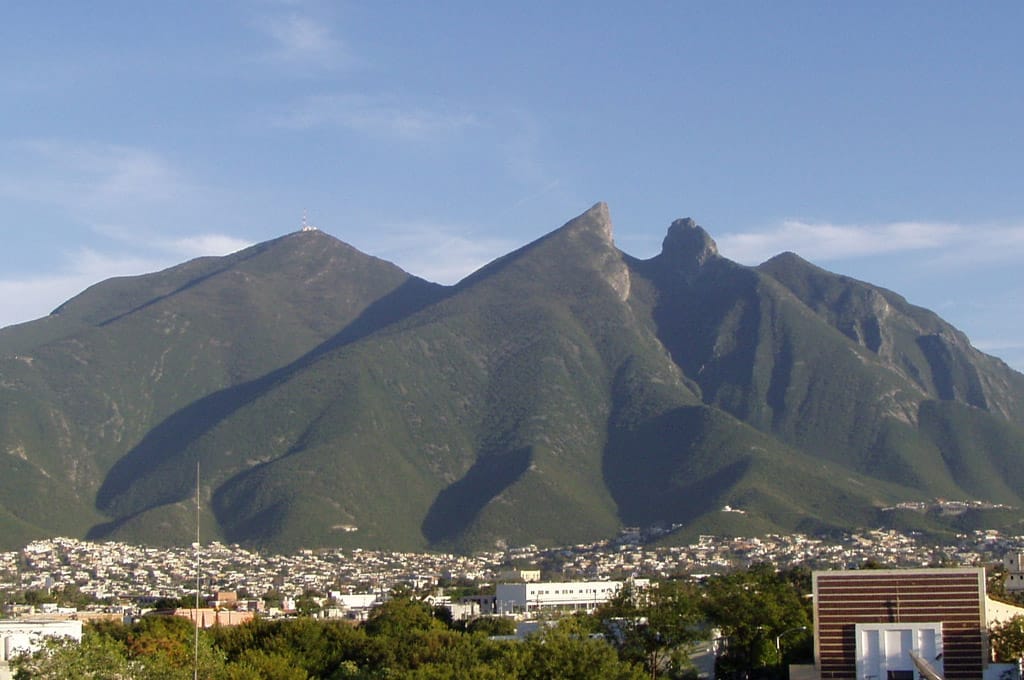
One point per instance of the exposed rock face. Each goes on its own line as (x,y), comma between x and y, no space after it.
(597,220)
(686,238)
(687,247)
(607,259)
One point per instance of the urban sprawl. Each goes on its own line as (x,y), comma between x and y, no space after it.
(118,572)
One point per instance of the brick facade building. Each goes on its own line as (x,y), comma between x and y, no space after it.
(868,623)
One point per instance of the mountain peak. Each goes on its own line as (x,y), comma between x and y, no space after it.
(688,244)
(597,220)
(786,258)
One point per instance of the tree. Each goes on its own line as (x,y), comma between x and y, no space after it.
(400,615)
(318,648)
(272,599)
(255,664)
(36,597)
(492,625)
(308,604)
(171,637)
(1007,639)
(650,625)
(569,652)
(751,609)
(71,595)
(96,657)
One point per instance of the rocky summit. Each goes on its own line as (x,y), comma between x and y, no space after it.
(555,396)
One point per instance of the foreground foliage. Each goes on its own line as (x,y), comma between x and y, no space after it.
(647,632)
(1007,639)
(402,640)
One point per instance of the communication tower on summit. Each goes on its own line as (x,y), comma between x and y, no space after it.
(306,226)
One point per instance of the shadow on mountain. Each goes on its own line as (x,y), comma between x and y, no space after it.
(954,377)
(695,311)
(667,470)
(156,472)
(782,374)
(101,531)
(457,506)
(227,263)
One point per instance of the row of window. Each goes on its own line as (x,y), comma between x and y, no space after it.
(582,591)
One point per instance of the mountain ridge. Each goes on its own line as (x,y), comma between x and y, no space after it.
(553,396)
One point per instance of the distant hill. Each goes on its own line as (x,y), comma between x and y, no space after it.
(554,396)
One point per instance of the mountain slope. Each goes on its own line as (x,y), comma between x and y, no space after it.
(505,380)
(80,388)
(909,339)
(555,395)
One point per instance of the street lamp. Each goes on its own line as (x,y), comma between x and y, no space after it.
(778,640)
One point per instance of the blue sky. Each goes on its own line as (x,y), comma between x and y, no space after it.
(880,140)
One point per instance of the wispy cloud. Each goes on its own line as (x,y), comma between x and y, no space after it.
(1009,350)
(89,179)
(32,296)
(522,149)
(997,344)
(203,244)
(174,247)
(439,253)
(27,298)
(376,115)
(298,40)
(126,196)
(942,242)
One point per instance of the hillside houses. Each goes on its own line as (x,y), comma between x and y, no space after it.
(119,570)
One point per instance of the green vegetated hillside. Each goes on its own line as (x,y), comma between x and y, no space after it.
(554,396)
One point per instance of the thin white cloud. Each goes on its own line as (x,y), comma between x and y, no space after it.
(524,160)
(381,116)
(298,40)
(93,181)
(178,247)
(439,253)
(33,296)
(522,149)
(942,242)
(27,298)
(982,246)
(129,196)
(97,265)
(203,244)
(1010,351)
(995,345)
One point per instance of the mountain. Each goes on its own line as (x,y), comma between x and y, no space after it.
(80,388)
(554,396)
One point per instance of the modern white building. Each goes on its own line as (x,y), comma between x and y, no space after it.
(18,636)
(516,598)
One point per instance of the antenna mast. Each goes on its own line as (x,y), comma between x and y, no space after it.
(195,666)
(306,226)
